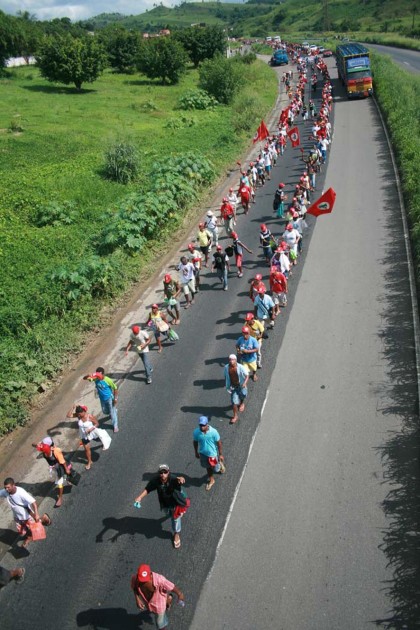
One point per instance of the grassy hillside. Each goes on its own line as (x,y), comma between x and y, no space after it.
(258,19)
(52,143)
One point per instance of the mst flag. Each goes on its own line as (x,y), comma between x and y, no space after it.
(284,115)
(262,132)
(294,136)
(324,204)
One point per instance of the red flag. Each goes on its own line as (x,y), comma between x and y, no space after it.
(284,115)
(324,204)
(261,133)
(294,136)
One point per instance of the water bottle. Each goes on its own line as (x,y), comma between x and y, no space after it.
(181,603)
(137,504)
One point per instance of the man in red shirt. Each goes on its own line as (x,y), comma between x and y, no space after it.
(227,213)
(153,592)
(245,195)
(278,286)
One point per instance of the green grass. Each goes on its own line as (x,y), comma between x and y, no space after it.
(58,158)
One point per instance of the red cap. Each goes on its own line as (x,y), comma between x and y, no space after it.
(281,185)
(135,329)
(249,317)
(230,189)
(225,199)
(261,290)
(167,277)
(201,225)
(245,329)
(155,306)
(219,248)
(289,227)
(295,215)
(294,199)
(144,573)
(258,276)
(302,179)
(234,235)
(190,246)
(263,227)
(273,269)
(283,246)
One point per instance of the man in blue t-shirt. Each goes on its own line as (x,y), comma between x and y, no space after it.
(247,348)
(108,394)
(208,449)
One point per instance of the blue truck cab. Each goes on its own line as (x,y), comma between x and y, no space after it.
(279,58)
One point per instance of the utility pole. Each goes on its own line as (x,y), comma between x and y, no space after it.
(326,15)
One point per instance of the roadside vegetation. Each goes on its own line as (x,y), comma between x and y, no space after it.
(95,183)
(398,95)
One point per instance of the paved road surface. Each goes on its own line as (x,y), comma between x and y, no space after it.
(320,512)
(320,515)
(407,59)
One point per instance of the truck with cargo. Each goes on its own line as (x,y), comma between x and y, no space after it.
(353,65)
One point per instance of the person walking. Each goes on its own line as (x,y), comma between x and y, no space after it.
(153,592)
(256,330)
(204,240)
(159,324)
(278,202)
(264,307)
(221,265)
(172,499)
(88,430)
(108,394)
(228,213)
(24,509)
(57,464)
(187,274)
(266,241)
(195,258)
(172,289)
(141,339)
(238,248)
(211,225)
(247,348)
(236,379)
(208,449)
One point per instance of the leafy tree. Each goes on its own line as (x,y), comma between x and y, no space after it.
(9,37)
(202,43)
(162,58)
(71,60)
(221,77)
(122,47)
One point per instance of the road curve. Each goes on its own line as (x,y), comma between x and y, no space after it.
(408,59)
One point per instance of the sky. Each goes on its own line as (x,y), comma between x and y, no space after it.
(80,9)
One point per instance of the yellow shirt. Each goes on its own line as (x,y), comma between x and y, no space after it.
(203,238)
(256,329)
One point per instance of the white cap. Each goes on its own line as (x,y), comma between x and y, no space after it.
(209,213)
(233,356)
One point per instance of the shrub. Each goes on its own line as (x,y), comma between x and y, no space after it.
(197,99)
(247,110)
(93,278)
(180,122)
(55,214)
(122,162)
(16,124)
(247,59)
(221,78)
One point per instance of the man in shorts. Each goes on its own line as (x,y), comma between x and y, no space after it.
(196,258)
(236,379)
(247,348)
(153,592)
(187,275)
(172,289)
(238,248)
(208,449)
(24,509)
(256,330)
(204,240)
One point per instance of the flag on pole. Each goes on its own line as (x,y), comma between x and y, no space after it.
(262,132)
(294,136)
(324,204)
(284,115)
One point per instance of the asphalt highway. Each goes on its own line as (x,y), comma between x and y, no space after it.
(301,549)
(408,59)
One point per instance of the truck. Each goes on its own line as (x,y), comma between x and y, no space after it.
(353,65)
(279,58)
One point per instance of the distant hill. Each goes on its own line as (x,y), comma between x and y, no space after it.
(267,17)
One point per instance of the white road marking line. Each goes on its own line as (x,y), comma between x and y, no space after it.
(232,505)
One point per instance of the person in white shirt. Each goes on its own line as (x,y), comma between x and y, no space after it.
(211,226)
(24,509)
(233,199)
(187,277)
(141,339)
(291,236)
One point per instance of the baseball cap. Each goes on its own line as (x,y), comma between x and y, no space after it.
(225,199)
(144,573)
(230,190)
(234,235)
(289,227)
(203,420)
(219,248)
(47,440)
(258,276)
(245,330)
(167,277)
(281,185)
(155,306)
(135,329)
(261,290)
(190,246)
(163,467)
(209,213)
(249,316)
(200,225)
(263,227)
(233,357)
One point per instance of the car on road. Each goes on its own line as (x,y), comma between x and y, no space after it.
(327,53)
